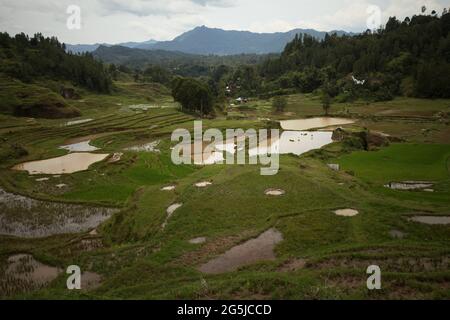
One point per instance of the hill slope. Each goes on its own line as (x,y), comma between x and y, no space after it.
(205,41)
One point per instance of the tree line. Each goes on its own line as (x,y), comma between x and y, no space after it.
(410,57)
(403,58)
(28,58)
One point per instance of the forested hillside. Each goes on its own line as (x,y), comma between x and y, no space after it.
(212,41)
(178,63)
(37,76)
(410,58)
(26,59)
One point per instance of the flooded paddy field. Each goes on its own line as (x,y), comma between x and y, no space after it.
(219,231)
(24,273)
(29,218)
(313,123)
(432,220)
(71,163)
(252,251)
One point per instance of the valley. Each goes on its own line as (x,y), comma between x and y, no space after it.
(225,165)
(318,255)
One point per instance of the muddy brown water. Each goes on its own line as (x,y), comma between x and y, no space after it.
(199,240)
(71,163)
(293,142)
(203,184)
(410,185)
(313,123)
(346,212)
(170,211)
(289,142)
(83,146)
(250,252)
(24,273)
(274,192)
(24,217)
(432,220)
(75,122)
(148,147)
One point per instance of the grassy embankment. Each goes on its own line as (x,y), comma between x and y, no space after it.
(140,260)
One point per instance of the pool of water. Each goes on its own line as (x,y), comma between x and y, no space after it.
(170,211)
(73,162)
(347,212)
(84,146)
(250,252)
(294,142)
(313,123)
(148,147)
(25,217)
(72,123)
(432,220)
(24,273)
(290,142)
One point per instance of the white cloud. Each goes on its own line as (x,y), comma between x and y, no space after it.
(116,21)
(353,14)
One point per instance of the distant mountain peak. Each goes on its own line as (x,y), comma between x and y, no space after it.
(203,40)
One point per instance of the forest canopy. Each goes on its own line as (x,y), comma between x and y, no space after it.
(410,57)
(26,59)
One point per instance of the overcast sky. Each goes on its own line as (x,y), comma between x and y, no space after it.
(115,21)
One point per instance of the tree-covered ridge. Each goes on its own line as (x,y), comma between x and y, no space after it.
(28,58)
(409,58)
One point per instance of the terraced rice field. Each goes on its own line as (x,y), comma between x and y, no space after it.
(226,211)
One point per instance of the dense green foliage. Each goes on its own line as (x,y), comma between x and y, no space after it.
(280,103)
(28,58)
(405,58)
(193,95)
(33,100)
(177,63)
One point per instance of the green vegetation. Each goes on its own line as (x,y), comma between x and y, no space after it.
(279,103)
(193,95)
(404,58)
(139,260)
(400,162)
(326,103)
(27,58)
(30,100)
(142,252)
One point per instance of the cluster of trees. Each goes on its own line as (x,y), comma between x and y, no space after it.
(193,95)
(28,58)
(279,103)
(410,57)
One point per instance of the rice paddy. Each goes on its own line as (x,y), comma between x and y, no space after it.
(108,218)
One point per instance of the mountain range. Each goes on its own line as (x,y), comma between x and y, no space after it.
(211,41)
(80,48)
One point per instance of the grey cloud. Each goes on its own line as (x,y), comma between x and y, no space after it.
(158,7)
(216,3)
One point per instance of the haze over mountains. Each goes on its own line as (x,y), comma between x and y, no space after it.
(79,48)
(211,41)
